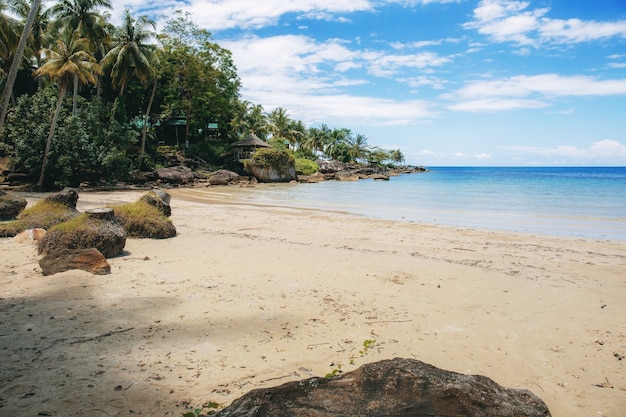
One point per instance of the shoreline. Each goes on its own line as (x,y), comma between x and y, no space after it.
(250,296)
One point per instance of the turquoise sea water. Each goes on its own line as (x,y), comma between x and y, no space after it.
(587,202)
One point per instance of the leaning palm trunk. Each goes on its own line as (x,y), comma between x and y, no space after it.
(145,123)
(8,88)
(75,99)
(50,134)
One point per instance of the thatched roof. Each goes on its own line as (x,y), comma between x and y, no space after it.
(251,140)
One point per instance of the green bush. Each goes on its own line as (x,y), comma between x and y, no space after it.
(274,158)
(306,167)
(88,146)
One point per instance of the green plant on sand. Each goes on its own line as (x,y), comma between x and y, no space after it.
(198,411)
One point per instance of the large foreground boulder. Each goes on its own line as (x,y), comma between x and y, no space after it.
(10,205)
(90,260)
(398,387)
(97,228)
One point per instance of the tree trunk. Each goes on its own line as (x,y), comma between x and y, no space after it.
(145,123)
(75,94)
(50,134)
(19,52)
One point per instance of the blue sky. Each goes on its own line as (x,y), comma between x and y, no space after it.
(449,82)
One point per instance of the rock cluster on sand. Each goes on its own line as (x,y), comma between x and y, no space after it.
(90,238)
(397,387)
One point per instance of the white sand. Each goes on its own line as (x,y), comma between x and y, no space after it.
(250,296)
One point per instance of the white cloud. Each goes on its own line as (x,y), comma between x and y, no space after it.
(310,79)
(512,21)
(525,91)
(609,151)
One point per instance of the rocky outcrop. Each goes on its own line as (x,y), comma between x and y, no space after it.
(346,176)
(223,177)
(10,205)
(175,175)
(159,199)
(333,166)
(382,177)
(99,229)
(398,387)
(272,174)
(90,260)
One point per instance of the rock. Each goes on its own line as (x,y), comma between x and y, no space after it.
(10,205)
(328,167)
(175,175)
(16,178)
(99,230)
(398,387)
(30,236)
(68,197)
(159,199)
(271,174)
(90,260)
(379,177)
(223,177)
(346,176)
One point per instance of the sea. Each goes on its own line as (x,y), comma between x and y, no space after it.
(587,202)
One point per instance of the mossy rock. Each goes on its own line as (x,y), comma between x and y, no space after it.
(84,232)
(143,220)
(10,205)
(44,214)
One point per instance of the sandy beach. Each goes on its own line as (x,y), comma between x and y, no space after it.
(250,296)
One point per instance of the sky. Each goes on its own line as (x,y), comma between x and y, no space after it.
(448,82)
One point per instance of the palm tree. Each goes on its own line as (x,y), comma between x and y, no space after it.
(131,55)
(396,155)
(83,17)
(334,142)
(40,35)
(17,56)
(358,147)
(316,138)
(280,126)
(256,121)
(69,60)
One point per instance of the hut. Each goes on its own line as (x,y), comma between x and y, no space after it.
(245,148)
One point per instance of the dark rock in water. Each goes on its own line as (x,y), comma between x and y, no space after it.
(68,197)
(159,199)
(90,260)
(99,230)
(175,175)
(398,387)
(223,177)
(10,205)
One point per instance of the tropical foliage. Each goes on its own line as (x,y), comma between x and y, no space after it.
(133,89)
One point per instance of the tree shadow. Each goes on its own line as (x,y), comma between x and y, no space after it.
(72,350)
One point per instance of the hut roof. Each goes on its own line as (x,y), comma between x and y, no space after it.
(251,140)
